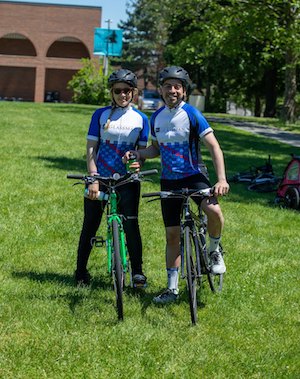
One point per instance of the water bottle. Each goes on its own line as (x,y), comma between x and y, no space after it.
(132,159)
(101,195)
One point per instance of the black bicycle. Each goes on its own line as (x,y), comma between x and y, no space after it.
(195,260)
(260,178)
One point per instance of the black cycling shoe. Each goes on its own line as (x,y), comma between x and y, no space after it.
(139,280)
(82,278)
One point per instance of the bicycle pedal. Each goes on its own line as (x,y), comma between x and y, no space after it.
(139,286)
(98,241)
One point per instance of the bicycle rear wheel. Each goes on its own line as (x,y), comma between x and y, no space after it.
(215,281)
(191,273)
(117,270)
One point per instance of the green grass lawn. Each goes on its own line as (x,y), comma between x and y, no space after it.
(51,329)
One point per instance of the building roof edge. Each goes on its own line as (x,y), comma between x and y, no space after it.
(49,4)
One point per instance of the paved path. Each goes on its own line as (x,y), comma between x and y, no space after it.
(266,131)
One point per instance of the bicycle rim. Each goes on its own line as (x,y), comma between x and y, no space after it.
(215,281)
(191,274)
(117,270)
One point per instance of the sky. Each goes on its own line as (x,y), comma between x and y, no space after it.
(114,10)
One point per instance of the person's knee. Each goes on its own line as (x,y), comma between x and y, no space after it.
(214,214)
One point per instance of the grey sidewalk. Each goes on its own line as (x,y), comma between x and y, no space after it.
(266,131)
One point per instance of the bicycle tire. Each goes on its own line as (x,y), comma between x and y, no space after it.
(191,275)
(117,270)
(292,198)
(264,187)
(215,281)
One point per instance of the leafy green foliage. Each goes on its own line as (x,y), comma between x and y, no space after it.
(89,84)
(246,51)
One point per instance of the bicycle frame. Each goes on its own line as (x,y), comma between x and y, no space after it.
(197,224)
(188,218)
(112,214)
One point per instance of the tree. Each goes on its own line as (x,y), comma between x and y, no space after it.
(291,23)
(247,50)
(89,84)
(144,37)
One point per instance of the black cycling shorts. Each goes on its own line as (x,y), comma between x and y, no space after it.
(171,208)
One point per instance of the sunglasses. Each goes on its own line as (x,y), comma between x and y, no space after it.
(126,91)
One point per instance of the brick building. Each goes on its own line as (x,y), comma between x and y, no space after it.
(41,46)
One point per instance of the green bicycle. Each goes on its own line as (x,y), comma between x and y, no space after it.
(117,254)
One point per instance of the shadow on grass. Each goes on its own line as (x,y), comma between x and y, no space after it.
(146,299)
(44,277)
(75,165)
(242,150)
(74,297)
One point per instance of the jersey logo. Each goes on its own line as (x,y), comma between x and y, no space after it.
(157,130)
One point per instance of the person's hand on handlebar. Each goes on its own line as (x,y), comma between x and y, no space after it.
(221,188)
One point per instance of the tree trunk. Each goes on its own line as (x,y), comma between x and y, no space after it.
(257,109)
(288,110)
(270,78)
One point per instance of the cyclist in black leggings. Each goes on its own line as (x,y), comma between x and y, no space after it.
(114,130)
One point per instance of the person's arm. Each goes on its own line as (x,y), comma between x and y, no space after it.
(151,151)
(210,141)
(91,154)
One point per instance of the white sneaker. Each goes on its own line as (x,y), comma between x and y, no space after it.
(217,263)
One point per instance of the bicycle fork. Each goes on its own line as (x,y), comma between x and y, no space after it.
(109,244)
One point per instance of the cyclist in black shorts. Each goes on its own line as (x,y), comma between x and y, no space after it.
(176,129)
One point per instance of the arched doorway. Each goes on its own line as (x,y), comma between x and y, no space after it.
(56,79)
(17,83)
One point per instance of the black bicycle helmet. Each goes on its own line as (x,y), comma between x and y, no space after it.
(123,76)
(175,72)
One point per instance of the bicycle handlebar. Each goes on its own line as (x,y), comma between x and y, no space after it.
(115,178)
(184,192)
(76,176)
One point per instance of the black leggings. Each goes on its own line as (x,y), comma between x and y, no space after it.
(128,205)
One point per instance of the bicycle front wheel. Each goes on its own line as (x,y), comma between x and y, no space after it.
(191,273)
(117,270)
